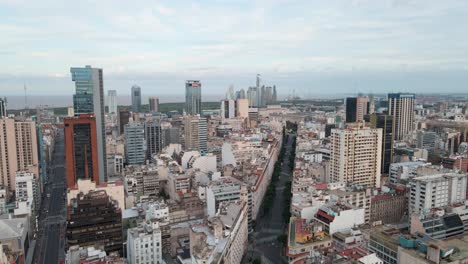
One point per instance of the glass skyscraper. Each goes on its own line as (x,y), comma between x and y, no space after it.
(136,99)
(89,98)
(193,97)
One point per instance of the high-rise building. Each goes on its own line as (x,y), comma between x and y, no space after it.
(112,101)
(171,136)
(193,97)
(242,108)
(154,138)
(275,95)
(81,149)
(356,108)
(124,118)
(262,97)
(196,133)
(89,98)
(135,144)
(426,140)
(27,188)
(252,96)
(228,109)
(356,154)
(240,94)
(95,219)
(153,104)
(147,236)
(18,150)
(136,99)
(3,104)
(385,122)
(401,107)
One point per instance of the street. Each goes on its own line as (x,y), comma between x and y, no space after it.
(52,224)
(264,242)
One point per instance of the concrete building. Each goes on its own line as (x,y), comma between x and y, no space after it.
(15,239)
(135,144)
(144,244)
(437,190)
(242,110)
(27,188)
(358,197)
(154,138)
(356,155)
(89,99)
(338,217)
(356,109)
(226,189)
(112,101)
(193,97)
(228,109)
(3,107)
(18,150)
(196,133)
(385,122)
(136,99)
(142,180)
(115,190)
(401,107)
(388,208)
(123,119)
(153,103)
(426,140)
(81,149)
(86,228)
(402,172)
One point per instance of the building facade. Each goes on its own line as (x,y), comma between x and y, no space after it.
(356,155)
(385,122)
(112,101)
(196,133)
(89,99)
(136,99)
(154,138)
(135,144)
(193,97)
(153,103)
(18,150)
(144,244)
(356,109)
(81,149)
(401,107)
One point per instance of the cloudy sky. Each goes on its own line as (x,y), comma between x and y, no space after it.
(311,46)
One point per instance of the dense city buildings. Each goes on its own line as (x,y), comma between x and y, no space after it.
(356,155)
(112,101)
(193,97)
(81,149)
(136,99)
(89,99)
(401,107)
(18,150)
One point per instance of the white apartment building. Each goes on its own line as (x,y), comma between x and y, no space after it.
(436,191)
(144,244)
(226,189)
(356,155)
(403,171)
(26,187)
(337,217)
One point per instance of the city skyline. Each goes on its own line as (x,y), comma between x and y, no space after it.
(347,47)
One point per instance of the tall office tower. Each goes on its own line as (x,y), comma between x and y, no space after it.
(3,103)
(196,133)
(193,97)
(154,138)
(228,109)
(385,122)
(252,96)
(275,95)
(171,136)
(124,118)
(18,150)
(89,98)
(401,107)
(135,144)
(356,155)
(136,99)
(242,108)
(258,82)
(153,104)
(356,108)
(230,93)
(112,101)
(371,105)
(81,149)
(241,94)
(262,97)
(95,219)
